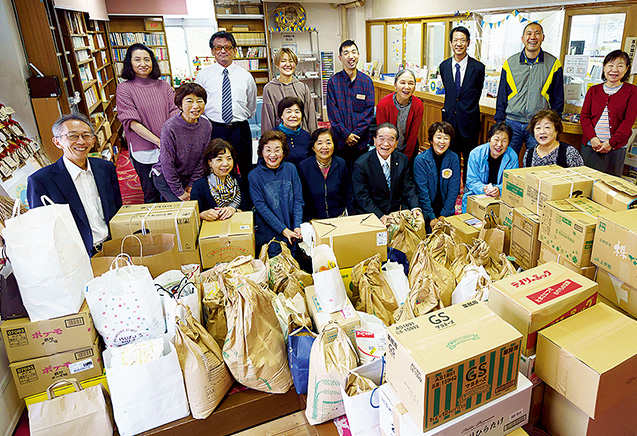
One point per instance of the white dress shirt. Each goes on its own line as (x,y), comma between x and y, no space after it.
(463,67)
(382,161)
(244,92)
(84,182)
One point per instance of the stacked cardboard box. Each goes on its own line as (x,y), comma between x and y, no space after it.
(482,205)
(45,351)
(222,241)
(525,246)
(467,226)
(543,186)
(514,183)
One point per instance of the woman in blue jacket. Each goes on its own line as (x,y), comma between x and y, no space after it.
(437,175)
(487,162)
(327,184)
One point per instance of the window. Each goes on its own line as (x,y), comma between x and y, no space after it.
(187,39)
(436,44)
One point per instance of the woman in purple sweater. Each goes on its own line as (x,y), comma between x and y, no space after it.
(144,103)
(183,140)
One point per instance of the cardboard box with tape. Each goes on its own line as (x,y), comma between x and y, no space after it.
(525,245)
(615,193)
(481,205)
(548,255)
(539,297)
(514,183)
(352,238)
(466,225)
(543,186)
(476,361)
(617,292)
(615,243)
(590,359)
(222,241)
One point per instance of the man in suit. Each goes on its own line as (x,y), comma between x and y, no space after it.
(88,185)
(381,179)
(463,79)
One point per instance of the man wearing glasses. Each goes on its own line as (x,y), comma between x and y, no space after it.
(232,101)
(382,181)
(88,185)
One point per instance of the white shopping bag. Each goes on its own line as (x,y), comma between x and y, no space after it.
(362,410)
(328,283)
(147,395)
(174,288)
(371,338)
(49,259)
(474,284)
(394,273)
(125,306)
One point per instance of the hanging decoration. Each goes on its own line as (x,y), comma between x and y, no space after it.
(289,17)
(515,14)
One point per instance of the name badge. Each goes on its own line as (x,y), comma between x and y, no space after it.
(446,173)
(360,96)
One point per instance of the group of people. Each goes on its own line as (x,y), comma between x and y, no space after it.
(305,172)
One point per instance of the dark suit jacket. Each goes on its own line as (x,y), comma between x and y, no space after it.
(55,182)
(462,110)
(371,194)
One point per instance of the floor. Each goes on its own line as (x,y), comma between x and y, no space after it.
(128,181)
(291,425)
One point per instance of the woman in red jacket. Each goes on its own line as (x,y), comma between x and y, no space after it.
(608,115)
(403,111)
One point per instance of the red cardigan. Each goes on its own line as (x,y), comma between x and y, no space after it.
(622,111)
(386,112)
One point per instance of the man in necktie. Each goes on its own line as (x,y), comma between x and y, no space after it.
(463,79)
(382,181)
(232,101)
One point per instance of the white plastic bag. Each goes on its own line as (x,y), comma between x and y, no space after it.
(328,283)
(147,395)
(363,409)
(371,338)
(468,286)
(125,305)
(394,273)
(174,288)
(49,259)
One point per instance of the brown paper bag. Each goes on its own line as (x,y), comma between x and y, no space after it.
(404,232)
(458,266)
(423,264)
(443,243)
(423,298)
(158,252)
(284,273)
(254,349)
(495,236)
(205,373)
(214,304)
(507,268)
(357,384)
(376,296)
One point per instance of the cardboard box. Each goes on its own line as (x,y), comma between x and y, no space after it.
(25,339)
(481,205)
(568,227)
(498,417)
(590,358)
(619,293)
(615,193)
(189,257)
(387,401)
(36,375)
(353,238)
(543,186)
(614,248)
(562,418)
(180,218)
(467,226)
(525,246)
(514,183)
(476,361)
(548,255)
(539,297)
(527,367)
(537,399)
(222,241)
(67,389)
(346,318)
(506,215)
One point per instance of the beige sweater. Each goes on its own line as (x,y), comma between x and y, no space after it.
(274,91)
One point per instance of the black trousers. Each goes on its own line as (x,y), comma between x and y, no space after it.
(151,194)
(239,135)
(462,145)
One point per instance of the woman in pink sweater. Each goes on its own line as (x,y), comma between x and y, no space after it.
(404,111)
(608,115)
(144,104)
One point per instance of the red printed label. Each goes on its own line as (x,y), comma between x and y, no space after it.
(552,292)
(364,334)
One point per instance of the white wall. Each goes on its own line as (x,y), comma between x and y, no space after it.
(328,23)
(14,71)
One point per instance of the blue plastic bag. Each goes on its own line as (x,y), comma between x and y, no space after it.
(299,346)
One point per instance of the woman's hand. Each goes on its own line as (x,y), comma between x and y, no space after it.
(596,143)
(209,215)
(185,196)
(225,212)
(299,234)
(492,191)
(290,235)
(433,222)
(605,147)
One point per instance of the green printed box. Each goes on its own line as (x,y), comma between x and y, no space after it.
(448,362)
(514,183)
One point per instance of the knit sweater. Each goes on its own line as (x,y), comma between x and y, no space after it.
(299,145)
(150,102)
(326,197)
(273,93)
(386,112)
(180,156)
(278,199)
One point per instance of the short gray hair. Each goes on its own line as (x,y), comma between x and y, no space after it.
(401,72)
(57,126)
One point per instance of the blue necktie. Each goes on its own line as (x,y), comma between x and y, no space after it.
(457,80)
(387,174)
(226,98)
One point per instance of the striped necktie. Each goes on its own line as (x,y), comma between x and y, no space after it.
(387,174)
(226,98)
(457,79)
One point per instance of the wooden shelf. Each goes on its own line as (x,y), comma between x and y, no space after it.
(245,31)
(240,17)
(105,83)
(92,108)
(84,62)
(87,85)
(259,57)
(261,70)
(103,66)
(252,45)
(81,48)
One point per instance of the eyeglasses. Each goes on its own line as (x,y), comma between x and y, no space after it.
(389,139)
(73,137)
(227,48)
(459,41)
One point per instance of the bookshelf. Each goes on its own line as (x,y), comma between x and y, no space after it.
(245,20)
(68,45)
(150,31)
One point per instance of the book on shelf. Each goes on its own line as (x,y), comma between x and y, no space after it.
(247,64)
(249,38)
(86,75)
(77,41)
(129,38)
(161,53)
(164,67)
(82,55)
(118,67)
(100,40)
(90,96)
(76,22)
